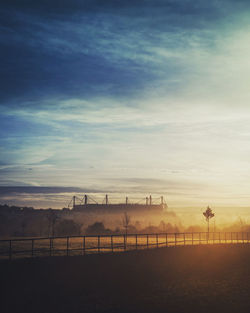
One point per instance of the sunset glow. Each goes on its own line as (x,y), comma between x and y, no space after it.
(110,103)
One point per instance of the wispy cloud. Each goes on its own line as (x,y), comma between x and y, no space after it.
(104,93)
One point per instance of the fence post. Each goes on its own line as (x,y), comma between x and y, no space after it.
(192,238)
(237,237)
(32,247)
(124,239)
(231,237)
(166,239)
(83,245)
(136,241)
(157,241)
(67,246)
(175,239)
(242,237)
(98,244)
(247,238)
(219,238)
(184,239)
(112,247)
(10,250)
(50,246)
(147,241)
(199,238)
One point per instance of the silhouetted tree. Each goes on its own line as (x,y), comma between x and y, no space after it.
(162,226)
(242,224)
(52,218)
(208,215)
(137,225)
(125,222)
(68,227)
(24,225)
(97,228)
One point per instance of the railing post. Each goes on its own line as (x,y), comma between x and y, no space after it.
(98,244)
(219,238)
(147,241)
(184,238)
(136,241)
(166,239)
(237,237)
(199,238)
(157,241)
(192,238)
(67,246)
(83,245)
(247,238)
(32,247)
(10,249)
(124,239)
(231,237)
(175,239)
(50,246)
(112,247)
(242,237)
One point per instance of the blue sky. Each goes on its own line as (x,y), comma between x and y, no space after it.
(147,96)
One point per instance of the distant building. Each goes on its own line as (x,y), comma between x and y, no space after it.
(148,205)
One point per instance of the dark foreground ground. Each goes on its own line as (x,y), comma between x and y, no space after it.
(183,279)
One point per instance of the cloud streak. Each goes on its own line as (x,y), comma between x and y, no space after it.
(98,93)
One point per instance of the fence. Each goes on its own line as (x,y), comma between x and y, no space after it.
(81,245)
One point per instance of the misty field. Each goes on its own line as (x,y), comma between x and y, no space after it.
(206,278)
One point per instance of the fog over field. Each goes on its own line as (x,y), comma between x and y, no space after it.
(182,215)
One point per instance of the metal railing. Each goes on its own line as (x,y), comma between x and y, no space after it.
(81,245)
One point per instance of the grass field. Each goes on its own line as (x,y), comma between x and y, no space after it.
(179,279)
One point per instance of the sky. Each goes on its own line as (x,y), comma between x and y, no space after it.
(127,97)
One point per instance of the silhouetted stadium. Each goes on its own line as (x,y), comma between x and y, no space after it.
(87,204)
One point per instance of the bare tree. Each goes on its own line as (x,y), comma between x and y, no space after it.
(125,222)
(52,218)
(24,226)
(242,223)
(208,215)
